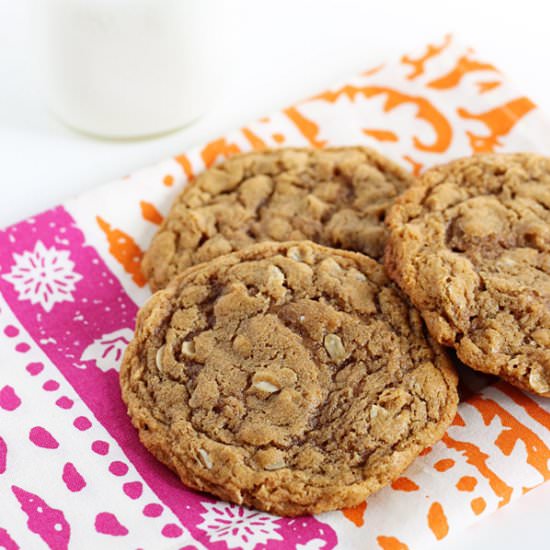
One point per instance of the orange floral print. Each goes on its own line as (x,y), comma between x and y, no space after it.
(476,457)
(404,484)
(150,213)
(356,514)
(416,167)
(307,127)
(437,521)
(391,543)
(183,161)
(478,505)
(125,251)
(419,64)
(425,452)
(444,464)
(466,483)
(254,140)
(499,122)
(425,110)
(374,70)
(381,135)
(487,86)
(217,148)
(534,410)
(464,65)
(458,420)
(538,454)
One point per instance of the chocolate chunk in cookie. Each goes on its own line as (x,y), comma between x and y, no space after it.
(289,377)
(470,246)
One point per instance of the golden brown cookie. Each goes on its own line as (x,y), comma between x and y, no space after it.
(470,246)
(335,197)
(289,377)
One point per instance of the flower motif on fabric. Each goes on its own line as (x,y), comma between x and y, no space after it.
(107,350)
(238,527)
(44,276)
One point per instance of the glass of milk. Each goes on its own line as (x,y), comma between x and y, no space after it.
(127,68)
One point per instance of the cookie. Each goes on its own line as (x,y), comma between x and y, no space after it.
(288,377)
(470,246)
(335,197)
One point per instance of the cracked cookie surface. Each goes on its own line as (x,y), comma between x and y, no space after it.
(470,246)
(289,377)
(336,197)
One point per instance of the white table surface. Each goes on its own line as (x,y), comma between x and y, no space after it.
(280,51)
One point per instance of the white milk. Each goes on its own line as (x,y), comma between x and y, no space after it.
(127,68)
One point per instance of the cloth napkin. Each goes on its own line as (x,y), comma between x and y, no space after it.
(72,471)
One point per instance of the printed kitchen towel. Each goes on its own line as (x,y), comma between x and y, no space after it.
(72,471)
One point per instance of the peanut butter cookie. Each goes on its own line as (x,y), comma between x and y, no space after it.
(289,377)
(470,246)
(335,197)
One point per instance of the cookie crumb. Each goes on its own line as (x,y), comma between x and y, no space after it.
(275,466)
(188,348)
(377,410)
(335,347)
(538,382)
(206,459)
(158,358)
(265,386)
(295,254)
